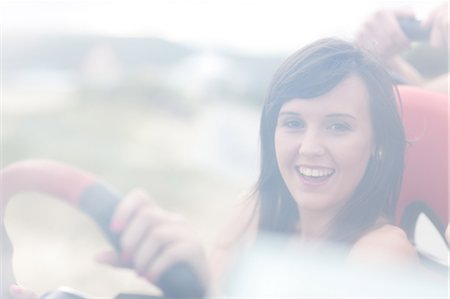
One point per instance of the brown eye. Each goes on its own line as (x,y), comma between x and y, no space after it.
(294,124)
(339,127)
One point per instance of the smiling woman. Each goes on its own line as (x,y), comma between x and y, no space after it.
(332,146)
(332,152)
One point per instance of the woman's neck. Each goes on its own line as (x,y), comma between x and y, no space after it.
(313,225)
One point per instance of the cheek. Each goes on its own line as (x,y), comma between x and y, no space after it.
(279,149)
(285,148)
(355,156)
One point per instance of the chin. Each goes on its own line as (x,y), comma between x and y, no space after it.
(307,202)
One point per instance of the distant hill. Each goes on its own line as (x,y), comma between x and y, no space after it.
(64,51)
(68,51)
(145,65)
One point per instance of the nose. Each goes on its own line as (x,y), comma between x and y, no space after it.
(311,144)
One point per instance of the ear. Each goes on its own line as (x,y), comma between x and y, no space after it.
(377,153)
(374,148)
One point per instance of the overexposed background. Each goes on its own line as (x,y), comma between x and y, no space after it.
(159,94)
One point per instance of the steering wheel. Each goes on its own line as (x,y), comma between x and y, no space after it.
(84,191)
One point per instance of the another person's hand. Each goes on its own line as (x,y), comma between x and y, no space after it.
(152,239)
(438,21)
(382,34)
(19,292)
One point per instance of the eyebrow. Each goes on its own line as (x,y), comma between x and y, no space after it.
(341,115)
(332,115)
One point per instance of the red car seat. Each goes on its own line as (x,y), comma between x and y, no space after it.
(425,182)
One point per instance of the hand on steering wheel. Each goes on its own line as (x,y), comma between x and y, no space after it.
(152,239)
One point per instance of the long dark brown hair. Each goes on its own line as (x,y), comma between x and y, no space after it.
(312,72)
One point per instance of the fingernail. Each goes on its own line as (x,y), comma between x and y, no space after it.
(116,226)
(16,289)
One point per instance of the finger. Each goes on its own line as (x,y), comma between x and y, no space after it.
(154,245)
(394,37)
(109,258)
(405,12)
(137,230)
(19,292)
(368,39)
(179,252)
(442,9)
(383,35)
(436,37)
(441,26)
(427,23)
(368,33)
(127,207)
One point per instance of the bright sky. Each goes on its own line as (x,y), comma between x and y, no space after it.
(264,26)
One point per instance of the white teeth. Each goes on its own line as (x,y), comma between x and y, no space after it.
(314,172)
(306,171)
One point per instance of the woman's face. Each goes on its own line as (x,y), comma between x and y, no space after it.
(323,145)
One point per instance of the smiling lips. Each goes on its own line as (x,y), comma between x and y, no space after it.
(314,175)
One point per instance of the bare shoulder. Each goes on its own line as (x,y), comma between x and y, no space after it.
(386,244)
(385,236)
